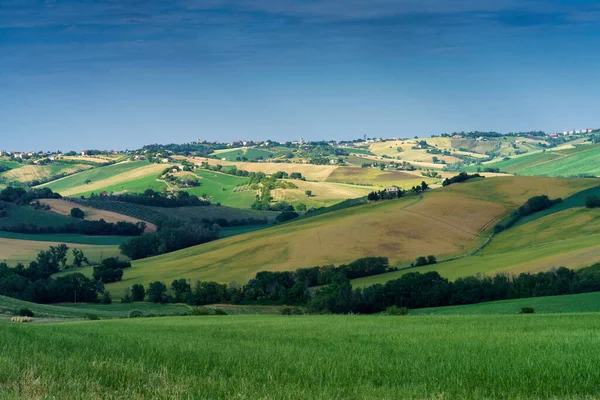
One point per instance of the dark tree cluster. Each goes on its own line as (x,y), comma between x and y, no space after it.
(110,270)
(531,206)
(292,288)
(462,177)
(157,199)
(592,201)
(85,227)
(35,283)
(172,236)
(416,290)
(20,196)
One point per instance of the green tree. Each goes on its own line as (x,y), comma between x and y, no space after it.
(138,292)
(308,193)
(79,258)
(157,292)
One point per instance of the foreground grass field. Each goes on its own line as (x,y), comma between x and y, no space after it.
(575,303)
(325,357)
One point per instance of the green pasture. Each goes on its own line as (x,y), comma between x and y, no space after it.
(220,188)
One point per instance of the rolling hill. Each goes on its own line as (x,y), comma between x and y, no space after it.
(447,223)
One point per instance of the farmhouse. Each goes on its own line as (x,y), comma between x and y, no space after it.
(392,189)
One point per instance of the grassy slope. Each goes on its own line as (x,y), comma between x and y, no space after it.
(115,310)
(213,184)
(448,222)
(324,194)
(376,177)
(568,238)
(28,173)
(575,303)
(250,154)
(27,215)
(566,162)
(76,184)
(333,357)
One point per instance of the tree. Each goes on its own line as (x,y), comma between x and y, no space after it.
(592,201)
(287,216)
(137,292)
(424,186)
(301,207)
(87,181)
(77,212)
(157,292)
(79,258)
(106,298)
(308,193)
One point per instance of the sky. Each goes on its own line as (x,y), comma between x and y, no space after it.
(117,74)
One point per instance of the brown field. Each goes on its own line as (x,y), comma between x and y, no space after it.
(311,172)
(64,207)
(30,173)
(376,177)
(98,159)
(323,193)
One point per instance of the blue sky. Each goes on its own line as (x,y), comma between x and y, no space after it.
(77,74)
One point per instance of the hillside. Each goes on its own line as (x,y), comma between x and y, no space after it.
(446,223)
(566,162)
(569,238)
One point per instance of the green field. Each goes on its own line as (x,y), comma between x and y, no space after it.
(96,174)
(132,186)
(575,303)
(220,188)
(10,164)
(329,357)
(67,238)
(581,160)
(27,215)
(250,154)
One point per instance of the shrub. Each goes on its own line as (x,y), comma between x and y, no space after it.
(135,314)
(396,311)
(219,311)
(91,317)
(200,311)
(25,312)
(291,311)
(592,201)
(106,298)
(77,213)
(527,310)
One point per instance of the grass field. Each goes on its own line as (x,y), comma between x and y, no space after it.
(376,177)
(15,251)
(575,303)
(27,215)
(569,238)
(29,173)
(581,160)
(103,177)
(115,310)
(250,153)
(64,207)
(329,357)
(324,194)
(220,188)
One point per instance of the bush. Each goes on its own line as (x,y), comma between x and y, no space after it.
(106,298)
(25,312)
(287,216)
(219,311)
(396,311)
(527,310)
(200,311)
(592,202)
(77,213)
(291,311)
(135,314)
(91,317)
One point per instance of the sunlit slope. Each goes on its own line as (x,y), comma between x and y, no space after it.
(569,238)
(447,223)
